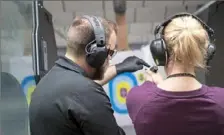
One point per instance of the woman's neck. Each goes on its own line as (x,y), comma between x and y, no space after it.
(183,83)
(177,68)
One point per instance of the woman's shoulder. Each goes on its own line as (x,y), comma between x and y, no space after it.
(139,96)
(141,92)
(214,90)
(216,93)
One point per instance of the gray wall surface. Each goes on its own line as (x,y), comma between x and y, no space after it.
(215,77)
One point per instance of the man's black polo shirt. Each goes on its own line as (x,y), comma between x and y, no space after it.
(66,102)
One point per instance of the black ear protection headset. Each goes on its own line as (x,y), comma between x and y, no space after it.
(96,51)
(158,46)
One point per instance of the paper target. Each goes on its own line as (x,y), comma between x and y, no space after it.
(118,90)
(28,84)
(141,78)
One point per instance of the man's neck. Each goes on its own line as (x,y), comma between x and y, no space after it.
(82,63)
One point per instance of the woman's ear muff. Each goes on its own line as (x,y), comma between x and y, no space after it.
(158,51)
(210,52)
(158,46)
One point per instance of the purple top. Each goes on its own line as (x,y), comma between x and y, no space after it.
(158,112)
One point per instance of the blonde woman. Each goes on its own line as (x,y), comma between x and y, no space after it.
(178,105)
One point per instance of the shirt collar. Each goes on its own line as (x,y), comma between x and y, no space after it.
(66,63)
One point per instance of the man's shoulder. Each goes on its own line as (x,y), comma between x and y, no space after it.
(65,81)
(80,81)
(70,78)
(80,84)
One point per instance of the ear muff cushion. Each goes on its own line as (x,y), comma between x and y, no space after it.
(96,57)
(158,51)
(210,51)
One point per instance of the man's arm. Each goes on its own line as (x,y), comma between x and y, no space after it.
(109,74)
(154,77)
(130,64)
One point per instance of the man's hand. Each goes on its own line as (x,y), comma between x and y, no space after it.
(153,77)
(131,64)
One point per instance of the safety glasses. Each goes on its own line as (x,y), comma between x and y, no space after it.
(112,53)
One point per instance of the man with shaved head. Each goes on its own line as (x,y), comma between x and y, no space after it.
(70,100)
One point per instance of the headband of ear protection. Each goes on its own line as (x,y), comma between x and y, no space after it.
(96,51)
(158,46)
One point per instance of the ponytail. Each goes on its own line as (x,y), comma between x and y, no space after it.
(187,41)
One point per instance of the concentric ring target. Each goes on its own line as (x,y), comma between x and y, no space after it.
(118,90)
(140,77)
(28,84)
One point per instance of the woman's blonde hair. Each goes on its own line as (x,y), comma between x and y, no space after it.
(187,42)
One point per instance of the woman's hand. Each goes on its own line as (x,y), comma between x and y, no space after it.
(153,77)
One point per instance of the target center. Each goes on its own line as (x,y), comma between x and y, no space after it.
(123,92)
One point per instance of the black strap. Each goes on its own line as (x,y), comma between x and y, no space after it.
(166,22)
(97,28)
(181,75)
